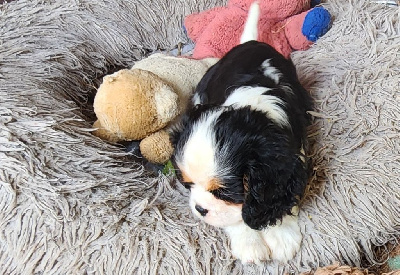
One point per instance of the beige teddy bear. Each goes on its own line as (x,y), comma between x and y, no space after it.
(141,103)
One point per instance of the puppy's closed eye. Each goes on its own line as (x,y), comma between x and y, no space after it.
(183,178)
(232,191)
(229,197)
(188,185)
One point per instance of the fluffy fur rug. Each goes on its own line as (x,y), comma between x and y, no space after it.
(73,204)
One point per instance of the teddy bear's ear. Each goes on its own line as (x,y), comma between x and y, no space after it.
(166,103)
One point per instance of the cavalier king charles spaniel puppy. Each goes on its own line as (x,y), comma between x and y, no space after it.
(240,149)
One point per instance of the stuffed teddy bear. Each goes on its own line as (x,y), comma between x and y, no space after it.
(139,104)
(337,269)
(286,25)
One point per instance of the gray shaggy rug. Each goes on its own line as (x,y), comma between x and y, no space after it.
(73,204)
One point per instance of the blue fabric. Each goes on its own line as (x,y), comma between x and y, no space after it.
(184,28)
(316,23)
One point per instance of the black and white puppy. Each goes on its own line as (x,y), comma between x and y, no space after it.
(239,149)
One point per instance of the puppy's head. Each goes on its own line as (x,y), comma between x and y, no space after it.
(239,166)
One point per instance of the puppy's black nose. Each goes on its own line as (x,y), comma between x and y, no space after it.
(201,210)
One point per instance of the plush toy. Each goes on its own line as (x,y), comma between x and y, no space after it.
(286,25)
(337,269)
(138,104)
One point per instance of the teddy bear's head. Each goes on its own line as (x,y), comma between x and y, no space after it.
(275,9)
(132,104)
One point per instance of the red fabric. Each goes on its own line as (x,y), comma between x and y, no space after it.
(218,30)
(294,34)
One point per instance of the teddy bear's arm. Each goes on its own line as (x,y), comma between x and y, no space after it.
(293,32)
(303,29)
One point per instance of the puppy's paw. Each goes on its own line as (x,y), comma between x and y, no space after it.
(251,252)
(284,239)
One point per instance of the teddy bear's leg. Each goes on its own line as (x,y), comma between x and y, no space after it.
(195,23)
(157,147)
(305,28)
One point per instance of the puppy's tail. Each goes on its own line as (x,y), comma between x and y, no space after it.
(250,31)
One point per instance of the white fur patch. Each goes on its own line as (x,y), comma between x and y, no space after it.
(254,97)
(284,239)
(271,71)
(247,245)
(280,242)
(198,160)
(196,99)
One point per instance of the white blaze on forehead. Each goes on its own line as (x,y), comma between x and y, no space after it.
(198,159)
(257,100)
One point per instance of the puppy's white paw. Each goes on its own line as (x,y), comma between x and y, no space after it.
(284,239)
(247,245)
(254,252)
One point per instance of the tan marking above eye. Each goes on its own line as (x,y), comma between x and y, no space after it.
(213,184)
(210,185)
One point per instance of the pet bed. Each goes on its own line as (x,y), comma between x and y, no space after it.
(73,204)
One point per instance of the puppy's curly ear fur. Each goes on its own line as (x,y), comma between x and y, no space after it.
(273,189)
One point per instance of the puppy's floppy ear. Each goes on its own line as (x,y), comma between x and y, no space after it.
(276,180)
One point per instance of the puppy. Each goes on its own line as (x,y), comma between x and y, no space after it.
(240,149)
